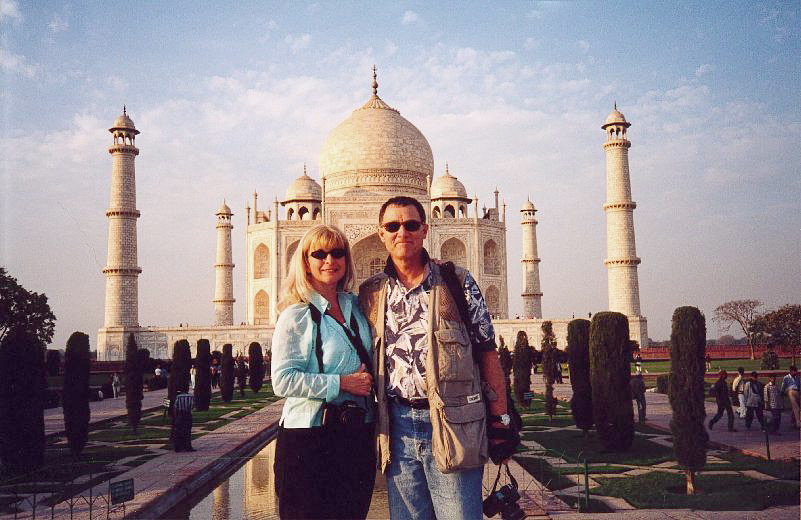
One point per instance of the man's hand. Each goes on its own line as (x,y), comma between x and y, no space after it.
(358,383)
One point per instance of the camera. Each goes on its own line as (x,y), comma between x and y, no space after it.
(504,501)
(347,414)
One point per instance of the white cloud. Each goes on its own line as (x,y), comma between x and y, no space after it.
(703,69)
(17,63)
(584,45)
(9,10)
(299,42)
(531,43)
(410,17)
(58,24)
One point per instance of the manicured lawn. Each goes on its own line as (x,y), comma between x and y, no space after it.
(729,365)
(658,490)
(574,447)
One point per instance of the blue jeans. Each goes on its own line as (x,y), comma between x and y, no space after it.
(416,489)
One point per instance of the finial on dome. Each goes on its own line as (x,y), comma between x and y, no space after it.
(304,170)
(375,81)
(124,110)
(447,171)
(615,104)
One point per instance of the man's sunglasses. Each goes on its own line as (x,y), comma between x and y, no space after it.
(409,225)
(322,255)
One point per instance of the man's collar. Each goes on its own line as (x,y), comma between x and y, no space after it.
(390,270)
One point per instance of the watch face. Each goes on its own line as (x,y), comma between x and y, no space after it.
(505,419)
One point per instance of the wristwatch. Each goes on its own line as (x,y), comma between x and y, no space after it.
(503,419)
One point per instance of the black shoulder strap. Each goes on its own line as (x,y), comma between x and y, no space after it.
(448,272)
(355,339)
(318,341)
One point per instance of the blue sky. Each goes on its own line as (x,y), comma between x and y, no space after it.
(236,97)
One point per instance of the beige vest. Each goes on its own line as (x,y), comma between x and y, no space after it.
(452,378)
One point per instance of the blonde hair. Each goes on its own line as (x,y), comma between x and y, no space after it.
(297,286)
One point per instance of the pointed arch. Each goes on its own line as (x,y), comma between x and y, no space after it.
(492,264)
(289,252)
(454,250)
(261,262)
(261,308)
(449,212)
(302,213)
(493,298)
(369,255)
(290,213)
(316,214)
(435,213)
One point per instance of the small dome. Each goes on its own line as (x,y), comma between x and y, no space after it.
(615,118)
(224,210)
(304,188)
(123,122)
(528,206)
(447,186)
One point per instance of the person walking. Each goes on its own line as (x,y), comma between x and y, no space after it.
(436,345)
(791,387)
(708,360)
(638,363)
(753,401)
(182,420)
(638,394)
(773,402)
(720,391)
(738,387)
(115,385)
(241,374)
(321,362)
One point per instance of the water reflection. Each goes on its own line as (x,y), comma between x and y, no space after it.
(254,482)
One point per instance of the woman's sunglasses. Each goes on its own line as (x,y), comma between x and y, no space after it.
(409,225)
(337,253)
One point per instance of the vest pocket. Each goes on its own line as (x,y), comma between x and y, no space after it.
(459,440)
(455,356)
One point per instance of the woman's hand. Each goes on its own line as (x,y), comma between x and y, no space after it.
(358,383)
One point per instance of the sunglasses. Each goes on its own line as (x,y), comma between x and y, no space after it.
(409,225)
(322,255)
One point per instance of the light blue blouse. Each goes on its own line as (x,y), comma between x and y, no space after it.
(294,369)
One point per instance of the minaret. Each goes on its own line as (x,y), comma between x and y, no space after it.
(621,253)
(224,269)
(122,273)
(532,295)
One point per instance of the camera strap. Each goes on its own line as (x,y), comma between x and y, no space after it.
(498,477)
(353,337)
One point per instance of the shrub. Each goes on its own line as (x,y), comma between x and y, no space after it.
(22,393)
(549,366)
(578,351)
(75,392)
(610,379)
(227,374)
(53,362)
(770,360)
(203,375)
(663,383)
(256,367)
(179,373)
(687,349)
(522,369)
(133,382)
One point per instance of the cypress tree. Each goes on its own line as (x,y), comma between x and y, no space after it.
(522,369)
(578,351)
(227,374)
(256,367)
(133,382)
(203,375)
(549,366)
(75,392)
(686,391)
(179,372)
(53,362)
(23,382)
(610,378)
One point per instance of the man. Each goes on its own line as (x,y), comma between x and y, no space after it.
(791,387)
(738,387)
(413,314)
(753,401)
(638,394)
(720,391)
(773,402)
(182,421)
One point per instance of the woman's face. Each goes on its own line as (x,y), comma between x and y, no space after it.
(325,270)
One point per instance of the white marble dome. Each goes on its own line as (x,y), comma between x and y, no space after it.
(304,188)
(447,186)
(615,118)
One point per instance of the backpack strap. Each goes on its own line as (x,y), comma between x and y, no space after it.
(353,337)
(456,289)
(318,341)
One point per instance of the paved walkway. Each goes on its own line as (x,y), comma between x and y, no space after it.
(752,442)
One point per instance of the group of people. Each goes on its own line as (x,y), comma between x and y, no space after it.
(378,380)
(754,399)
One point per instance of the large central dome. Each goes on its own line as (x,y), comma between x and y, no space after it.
(378,151)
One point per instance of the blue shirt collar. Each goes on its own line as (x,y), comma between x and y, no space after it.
(323,305)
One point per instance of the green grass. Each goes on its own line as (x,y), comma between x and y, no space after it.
(730,365)
(574,447)
(126,434)
(788,470)
(593,469)
(544,420)
(659,490)
(596,506)
(547,475)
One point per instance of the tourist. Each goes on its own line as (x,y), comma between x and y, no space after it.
(708,360)
(753,401)
(321,361)
(638,363)
(215,374)
(638,394)
(115,385)
(182,420)
(411,299)
(791,387)
(773,402)
(738,387)
(241,374)
(720,391)
(192,373)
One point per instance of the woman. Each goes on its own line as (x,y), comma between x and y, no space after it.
(321,363)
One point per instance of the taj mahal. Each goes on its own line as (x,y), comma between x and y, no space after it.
(374,154)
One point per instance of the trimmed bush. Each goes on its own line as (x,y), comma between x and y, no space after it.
(203,375)
(53,362)
(522,369)
(610,379)
(256,367)
(687,350)
(75,392)
(549,366)
(179,373)
(770,360)
(663,383)
(578,351)
(227,374)
(23,384)
(133,381)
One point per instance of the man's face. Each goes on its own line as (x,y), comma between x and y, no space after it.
(402,244)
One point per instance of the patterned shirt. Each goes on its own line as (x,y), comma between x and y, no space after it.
(405,328)
(184,403)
